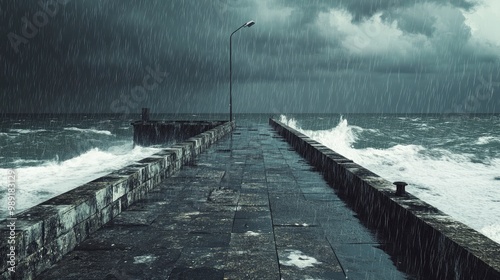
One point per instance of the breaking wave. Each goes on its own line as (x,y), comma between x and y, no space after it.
(453,182)
(89,130)
(52,177)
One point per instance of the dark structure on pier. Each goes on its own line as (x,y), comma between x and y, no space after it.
(153,132)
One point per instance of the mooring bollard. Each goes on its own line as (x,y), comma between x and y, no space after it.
(400,188)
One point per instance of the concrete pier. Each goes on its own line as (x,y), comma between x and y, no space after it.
(247,208)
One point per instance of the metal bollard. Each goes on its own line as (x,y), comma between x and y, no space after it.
(400,188)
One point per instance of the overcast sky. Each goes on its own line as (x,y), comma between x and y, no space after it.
(321,56)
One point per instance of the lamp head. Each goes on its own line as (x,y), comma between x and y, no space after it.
(250,23)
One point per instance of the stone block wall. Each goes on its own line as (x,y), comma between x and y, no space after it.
(46,232)
(148,133)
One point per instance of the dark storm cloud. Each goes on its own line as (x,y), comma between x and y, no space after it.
(105,44)
(413,22)
(93,53)
(125,34)
(361,9)
(301,43)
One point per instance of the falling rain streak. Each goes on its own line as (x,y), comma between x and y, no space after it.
(74,74)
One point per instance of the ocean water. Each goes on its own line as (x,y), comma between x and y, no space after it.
(52,154)
(451,162)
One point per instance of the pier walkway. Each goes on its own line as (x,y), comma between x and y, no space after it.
(247,208)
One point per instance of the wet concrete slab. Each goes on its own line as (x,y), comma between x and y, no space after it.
(304,251)
(255,263)
(247,208)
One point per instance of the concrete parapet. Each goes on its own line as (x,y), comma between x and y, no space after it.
(46,232)
(429,242)
(148,132)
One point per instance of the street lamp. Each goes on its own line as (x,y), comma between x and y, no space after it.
(248,24)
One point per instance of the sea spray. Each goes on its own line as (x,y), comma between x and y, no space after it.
(442,171)
(53,177)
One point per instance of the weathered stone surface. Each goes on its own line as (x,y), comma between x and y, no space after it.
(253,263)
(304,251)
(48,231)
(253,199)
(423,240)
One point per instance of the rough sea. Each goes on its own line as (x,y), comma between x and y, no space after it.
(452,162)
(52,154)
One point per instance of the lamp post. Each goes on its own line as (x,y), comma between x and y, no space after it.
(248,24)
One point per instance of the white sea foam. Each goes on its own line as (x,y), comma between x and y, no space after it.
(26,131)
(39,183)
(484,140)
(88,130)
(493,231)
(424,127)
(452,182)
(19,162)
